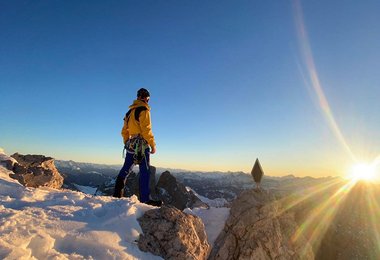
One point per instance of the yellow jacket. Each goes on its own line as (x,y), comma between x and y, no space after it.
(142,127)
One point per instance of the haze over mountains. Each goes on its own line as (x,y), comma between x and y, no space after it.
(212,185)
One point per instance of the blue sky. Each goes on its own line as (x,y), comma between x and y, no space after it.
(227,79)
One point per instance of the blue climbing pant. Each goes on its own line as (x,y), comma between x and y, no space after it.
(144,172)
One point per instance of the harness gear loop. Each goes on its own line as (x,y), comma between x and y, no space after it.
(136,145)
(139,150)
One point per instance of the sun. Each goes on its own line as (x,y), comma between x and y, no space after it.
(362,171)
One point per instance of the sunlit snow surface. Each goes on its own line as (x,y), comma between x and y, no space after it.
(86,189)
(47,223)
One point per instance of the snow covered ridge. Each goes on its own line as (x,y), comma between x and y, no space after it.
(47,223)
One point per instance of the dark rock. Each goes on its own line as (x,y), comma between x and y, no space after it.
(174,193)
(8,164)
(172,234)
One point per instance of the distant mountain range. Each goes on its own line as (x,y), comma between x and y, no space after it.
(212,185)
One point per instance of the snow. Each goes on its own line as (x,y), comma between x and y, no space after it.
(216,203)
(4,157)
(86,189)
(213,219)
(95,172)
(46,223)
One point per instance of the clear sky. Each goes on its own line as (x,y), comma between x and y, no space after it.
(230,81)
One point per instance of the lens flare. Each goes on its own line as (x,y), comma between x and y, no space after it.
(314,79)
(365,171)
(362,171)
(315,226)
(321,216)
(373,209)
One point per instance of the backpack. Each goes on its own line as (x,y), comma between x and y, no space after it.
(138,111)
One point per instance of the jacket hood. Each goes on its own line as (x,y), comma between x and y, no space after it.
(139,103)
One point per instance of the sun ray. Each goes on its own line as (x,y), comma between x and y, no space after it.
(377,160)
(374,215)
(376,165)
(303,195)
(314,79)
(316,225)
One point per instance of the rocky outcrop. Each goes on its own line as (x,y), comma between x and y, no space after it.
(168,190)
(255,229)
(36,171)
(174,193)
(172,234)
(132,184)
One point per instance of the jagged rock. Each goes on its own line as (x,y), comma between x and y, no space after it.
(174,193)
(168,190)
(36,171)
(132,184)
(256,229)
(172,234)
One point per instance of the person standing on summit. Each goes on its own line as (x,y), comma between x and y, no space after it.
(139,142)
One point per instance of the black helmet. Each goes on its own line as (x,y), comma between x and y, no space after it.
(143,93)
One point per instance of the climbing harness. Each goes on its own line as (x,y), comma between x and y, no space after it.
(136,146)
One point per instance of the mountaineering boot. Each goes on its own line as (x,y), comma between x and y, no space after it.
(119,187)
